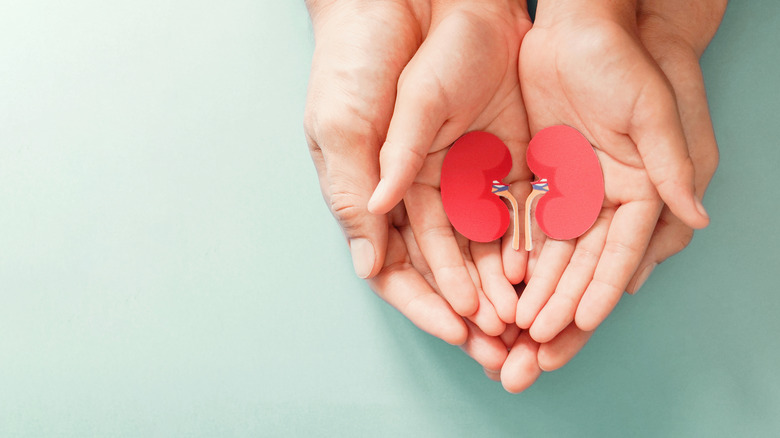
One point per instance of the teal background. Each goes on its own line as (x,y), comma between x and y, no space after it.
(168,268)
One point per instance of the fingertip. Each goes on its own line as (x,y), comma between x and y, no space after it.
(594,307)
(586,320)
(521,368)
(541,334)
(454,332)
(495,328)
(523,318)
(486,317)
(685,205)
(380,202)
(508,316)
(399,165)
(494,375)
(696,215)
(364,259)
(515,381)
(693,217)
(466,306)
(514,264)
(459,291)
(702,212)
(547,361)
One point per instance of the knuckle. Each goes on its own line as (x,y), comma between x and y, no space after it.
(682,240)
(344,130)
(607,287)
(348,209)
(621,251)
(403,157)
(437,233)
(584,257)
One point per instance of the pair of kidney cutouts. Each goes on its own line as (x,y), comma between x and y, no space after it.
(570,189)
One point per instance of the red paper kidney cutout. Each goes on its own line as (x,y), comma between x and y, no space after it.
(576,185)
(471,165)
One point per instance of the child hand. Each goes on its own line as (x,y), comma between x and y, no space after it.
(464,77)
(583,280)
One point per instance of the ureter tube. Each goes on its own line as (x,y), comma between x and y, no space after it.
(539,188)
(516,229)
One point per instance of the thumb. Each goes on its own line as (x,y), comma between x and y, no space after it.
(426,117)
(671,234)
(350,172)
(658,133)
(419,113)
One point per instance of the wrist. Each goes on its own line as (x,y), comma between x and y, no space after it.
(551,12)
(692,24)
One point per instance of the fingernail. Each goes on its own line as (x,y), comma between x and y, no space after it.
(700,207)
(643,277)
(362,256)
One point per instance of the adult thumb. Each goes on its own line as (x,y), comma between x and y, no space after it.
(349,170)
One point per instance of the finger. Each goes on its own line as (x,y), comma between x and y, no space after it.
(419,113)
(521,368)
(629,234)
(400,220)
(657,131)
(486,317)
(403,287)
(438,97)
(539,239)
(436,240)
(552,262)
(671,235)
(346,162)
(497,289)
(559,351)
(512,128)
(510,335)
(487,350)
(420,110)
(559,310)
(494,375)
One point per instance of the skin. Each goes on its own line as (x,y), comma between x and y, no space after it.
(675,35)
(370,59)
(352,95)
(360,52)
(589,69)
(486,88)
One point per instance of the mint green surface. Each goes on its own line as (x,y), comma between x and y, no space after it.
(168,268)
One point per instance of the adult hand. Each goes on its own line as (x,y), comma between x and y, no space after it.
(360,54)
(588,69)
(361,49)
(676,35)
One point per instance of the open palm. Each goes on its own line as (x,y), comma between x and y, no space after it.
(605,84)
